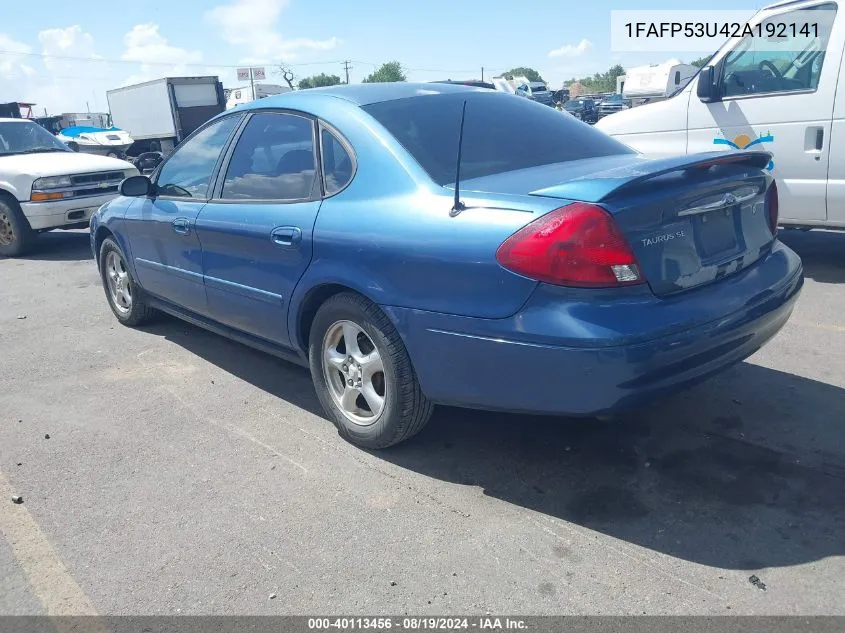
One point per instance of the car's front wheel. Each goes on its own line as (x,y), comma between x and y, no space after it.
(125,298)
(15,233)
(363,375)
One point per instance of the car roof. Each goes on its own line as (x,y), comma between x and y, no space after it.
(13,120)
(360,94)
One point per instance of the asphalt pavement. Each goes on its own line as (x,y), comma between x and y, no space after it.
(187,474)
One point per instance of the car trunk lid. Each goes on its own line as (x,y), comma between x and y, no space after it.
(690,220)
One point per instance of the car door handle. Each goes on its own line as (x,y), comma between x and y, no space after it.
(286,235)
(181,225)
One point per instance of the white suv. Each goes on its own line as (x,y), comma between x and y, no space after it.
(44,185)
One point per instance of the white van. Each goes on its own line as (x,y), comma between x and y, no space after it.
(238,96)
(754,94)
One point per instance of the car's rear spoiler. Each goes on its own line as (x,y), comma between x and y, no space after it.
(601,185)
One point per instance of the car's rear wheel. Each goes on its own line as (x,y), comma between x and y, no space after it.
(15,233)
(125,298)
(363,375)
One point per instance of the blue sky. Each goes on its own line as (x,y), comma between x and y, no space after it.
(433,39)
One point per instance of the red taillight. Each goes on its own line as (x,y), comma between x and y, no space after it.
(576,245)
(772,207)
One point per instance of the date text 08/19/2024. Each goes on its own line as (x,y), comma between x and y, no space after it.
(487,623)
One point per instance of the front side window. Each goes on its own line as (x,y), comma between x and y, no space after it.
(273,159)
(786,61)
(337,164)
(188,171)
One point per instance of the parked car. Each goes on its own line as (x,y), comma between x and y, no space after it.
(611,104)
(335,227)
(584,109)
(561,96)
(536,91)
(780,94)
(44,185)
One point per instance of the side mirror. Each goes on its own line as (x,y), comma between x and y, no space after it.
(136,187)
(706,90)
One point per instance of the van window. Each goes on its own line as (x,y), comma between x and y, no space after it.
(792,63)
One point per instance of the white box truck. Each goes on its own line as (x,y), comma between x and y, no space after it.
(782,91)
(159,114)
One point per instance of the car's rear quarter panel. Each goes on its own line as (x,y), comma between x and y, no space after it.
(585,352)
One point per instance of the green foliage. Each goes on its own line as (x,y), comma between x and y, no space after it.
(698,63)
(529,73)
(391,71)
(602,82)
(317,81)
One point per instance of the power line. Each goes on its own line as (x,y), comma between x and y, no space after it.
(103,60)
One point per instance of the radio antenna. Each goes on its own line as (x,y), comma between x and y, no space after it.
(459,206)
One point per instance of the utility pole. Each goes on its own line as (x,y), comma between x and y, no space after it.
(482,73)
(347,68)
(251,83)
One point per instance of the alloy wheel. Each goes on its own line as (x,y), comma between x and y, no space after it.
(119,282)
(354,373)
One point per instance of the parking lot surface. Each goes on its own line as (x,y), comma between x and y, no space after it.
(186,474)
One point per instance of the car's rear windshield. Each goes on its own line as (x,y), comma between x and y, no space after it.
(502,133)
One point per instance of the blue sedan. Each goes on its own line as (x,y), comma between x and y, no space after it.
(422,244)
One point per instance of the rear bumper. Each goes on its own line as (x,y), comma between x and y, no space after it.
(573,352)
(61,213)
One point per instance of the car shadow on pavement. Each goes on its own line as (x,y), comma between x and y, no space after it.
(737,473)
(823,253)
(746,471)
(280,378)
(60,246)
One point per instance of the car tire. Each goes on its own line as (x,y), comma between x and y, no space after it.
(404,409)
(125,297)
(16,235)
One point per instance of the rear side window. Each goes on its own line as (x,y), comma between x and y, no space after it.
(502,133)
(273,159)
(337,164)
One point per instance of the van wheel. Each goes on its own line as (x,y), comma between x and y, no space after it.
(15,233)
(363,374)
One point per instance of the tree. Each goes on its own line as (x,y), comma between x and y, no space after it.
(699,63)
(521,71)
(285,73)
(602,82)
(391,71)
(317,81)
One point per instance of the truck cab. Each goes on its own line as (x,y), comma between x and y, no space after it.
(773,93)
(44,185)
